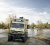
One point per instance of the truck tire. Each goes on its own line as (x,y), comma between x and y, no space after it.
(10,38)
(23,39)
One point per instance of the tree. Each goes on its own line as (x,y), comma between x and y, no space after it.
(32,25)
(46,24)
(40,24)
(0,25)
(9,20)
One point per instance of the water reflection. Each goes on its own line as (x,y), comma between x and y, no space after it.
(2,34)
(36,32)
(32,32)
(46,32)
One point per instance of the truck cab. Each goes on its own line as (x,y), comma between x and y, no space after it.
(18,29)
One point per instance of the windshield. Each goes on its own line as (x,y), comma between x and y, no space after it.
(17,25)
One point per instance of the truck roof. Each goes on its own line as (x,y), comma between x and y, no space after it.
(24,21)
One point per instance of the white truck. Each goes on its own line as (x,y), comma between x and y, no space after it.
(18,29)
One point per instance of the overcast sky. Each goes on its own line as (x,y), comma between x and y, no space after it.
(33,10)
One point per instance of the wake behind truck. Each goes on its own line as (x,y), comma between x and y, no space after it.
(18,29)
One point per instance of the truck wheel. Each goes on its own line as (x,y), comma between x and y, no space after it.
(10,38)
(24,39)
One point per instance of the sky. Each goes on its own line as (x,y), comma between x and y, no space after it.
(33,10)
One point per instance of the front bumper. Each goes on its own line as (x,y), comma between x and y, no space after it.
(16,36)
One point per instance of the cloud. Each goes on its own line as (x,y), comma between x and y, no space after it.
(29,13)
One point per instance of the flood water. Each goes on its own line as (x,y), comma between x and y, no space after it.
(35,32)
(31,33)
(2,33)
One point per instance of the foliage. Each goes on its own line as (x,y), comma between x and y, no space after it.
(32,25)
(42,25)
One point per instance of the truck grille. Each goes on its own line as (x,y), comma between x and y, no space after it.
(16,31)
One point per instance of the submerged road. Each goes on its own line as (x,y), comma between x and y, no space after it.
(32,40)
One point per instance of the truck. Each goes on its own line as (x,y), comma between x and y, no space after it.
(18,29)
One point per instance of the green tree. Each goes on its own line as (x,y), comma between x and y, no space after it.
(46,24)
(32,25)
(40,24)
